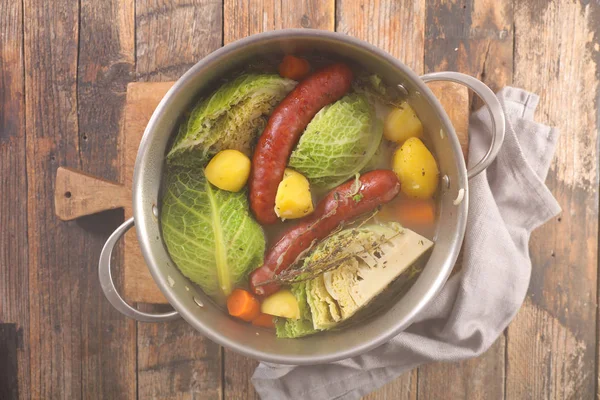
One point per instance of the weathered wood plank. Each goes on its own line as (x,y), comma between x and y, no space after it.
(14,273)
(237,373)
(55,247)
(241,19)
(480,378)
(171,36)
(404,387)
(244,18)
(471,36)
(552,342)
(142,99)
(474,37)
(78,194)
(397,27)
(105,65)
(174,360)
(9,374)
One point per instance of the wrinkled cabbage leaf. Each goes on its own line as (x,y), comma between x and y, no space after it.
(210,234)
(366,260)
(294,328)
(338,142)
(230,118)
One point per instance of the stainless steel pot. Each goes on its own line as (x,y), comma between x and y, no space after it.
(195,307)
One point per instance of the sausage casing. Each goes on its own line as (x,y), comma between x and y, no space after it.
(340,205)
(283,130)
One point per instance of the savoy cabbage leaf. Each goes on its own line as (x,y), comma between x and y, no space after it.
(294,328)
(230,118)
(338,142)
(210,233)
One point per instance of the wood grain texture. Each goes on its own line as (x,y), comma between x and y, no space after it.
(237,371)
(77,194)
(9,371)
(142,99)
(474,37)
(403,387)
(56,249)
(455,100)
(14,272)
(174,360)
(551,343)
(479,378)
(172,35)
(105,64)
(397,27)
(243,18)
(78,342)
(471,36)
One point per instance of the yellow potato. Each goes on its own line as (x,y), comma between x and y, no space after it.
(401,124)
(416,168)
(228,170)
(281,304)
(293,199)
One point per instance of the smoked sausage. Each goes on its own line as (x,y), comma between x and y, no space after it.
(342,204)
(283,130)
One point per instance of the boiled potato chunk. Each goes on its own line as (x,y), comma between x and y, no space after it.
(416,168)
(281,304)
(293,199)
(401,124)
(228,170)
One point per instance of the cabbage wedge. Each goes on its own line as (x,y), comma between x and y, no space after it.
(366,261)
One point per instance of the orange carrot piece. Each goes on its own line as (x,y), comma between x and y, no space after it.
(243,305)
(264,320)
(294,67)
(416,212)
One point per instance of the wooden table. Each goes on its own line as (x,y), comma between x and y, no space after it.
(64,66)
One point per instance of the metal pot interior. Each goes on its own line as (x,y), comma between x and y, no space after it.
(197,308)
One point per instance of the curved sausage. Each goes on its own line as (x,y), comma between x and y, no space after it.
(285,126)
(340,205)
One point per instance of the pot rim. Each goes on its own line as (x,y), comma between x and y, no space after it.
(145,244)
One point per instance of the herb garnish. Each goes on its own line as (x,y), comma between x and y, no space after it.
(358,197)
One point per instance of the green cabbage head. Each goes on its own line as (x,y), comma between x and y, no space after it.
(230,118)
(209,233)
(338,142)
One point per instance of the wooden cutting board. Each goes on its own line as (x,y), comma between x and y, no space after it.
(78,194)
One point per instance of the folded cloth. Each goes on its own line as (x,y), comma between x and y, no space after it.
(506,203)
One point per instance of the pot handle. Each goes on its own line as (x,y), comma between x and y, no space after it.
(108,285)
(493,105)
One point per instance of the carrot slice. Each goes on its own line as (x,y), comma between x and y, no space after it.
(294,67)
(264,320)
(243,305)
(416,212)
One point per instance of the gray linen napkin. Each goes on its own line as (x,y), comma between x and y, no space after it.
(506,204)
